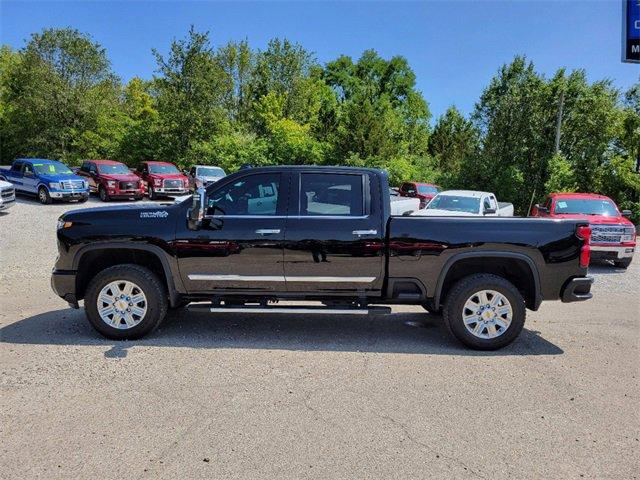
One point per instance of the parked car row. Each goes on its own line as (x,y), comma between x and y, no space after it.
(50,180)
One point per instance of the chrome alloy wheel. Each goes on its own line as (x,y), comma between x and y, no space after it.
(487,314)
(122,304)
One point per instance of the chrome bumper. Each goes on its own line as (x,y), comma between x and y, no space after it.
(618,251)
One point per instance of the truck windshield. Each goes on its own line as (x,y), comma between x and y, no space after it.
(111,168)
(455,203)
(52,167)
(211,172)
(427,189)
(586,206)
(162,168)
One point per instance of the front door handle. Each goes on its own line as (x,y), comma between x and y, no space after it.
(267,231)
(365,232)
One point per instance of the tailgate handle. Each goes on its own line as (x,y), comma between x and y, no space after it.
(365,232)
(267,231)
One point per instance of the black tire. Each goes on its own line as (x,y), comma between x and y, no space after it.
(102,193)
(83,199)
(624,263)
(463,290)
(150,285)
(43,196)
(152,193)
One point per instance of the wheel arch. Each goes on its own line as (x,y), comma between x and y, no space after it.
(92,259)
(518,268)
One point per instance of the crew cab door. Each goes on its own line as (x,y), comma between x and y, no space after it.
(15,175)
(29,178)
(239,246)
(334,234)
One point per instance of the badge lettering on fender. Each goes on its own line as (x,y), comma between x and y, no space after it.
(156,214)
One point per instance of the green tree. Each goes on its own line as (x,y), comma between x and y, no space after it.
(189,90)
(57,92)
(453,143)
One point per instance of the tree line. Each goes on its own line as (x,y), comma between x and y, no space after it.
(232,105)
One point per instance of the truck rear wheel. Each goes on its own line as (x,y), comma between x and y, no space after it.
(125,302)
(485,312)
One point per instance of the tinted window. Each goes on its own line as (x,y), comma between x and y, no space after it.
(331,194)
(163,168)
(586,207)
(84,167)
(27,168)
(252,195)
(17,166)
(455,203)
(409,188)
(113,168)
(486,203)
(427,189)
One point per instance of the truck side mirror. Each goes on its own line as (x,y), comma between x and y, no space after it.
(541,209)
(627,213)
(489,211)
(196,212)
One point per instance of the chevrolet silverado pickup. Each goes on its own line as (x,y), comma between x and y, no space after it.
(322,235)
(465,203)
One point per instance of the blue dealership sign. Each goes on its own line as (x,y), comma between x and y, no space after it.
(631,31)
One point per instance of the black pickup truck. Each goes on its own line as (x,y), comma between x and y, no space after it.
(314,234)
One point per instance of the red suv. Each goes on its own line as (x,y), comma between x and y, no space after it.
(163,179)
(424,191)
(111,179)
(613,236)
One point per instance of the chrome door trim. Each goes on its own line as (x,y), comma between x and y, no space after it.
(277,278)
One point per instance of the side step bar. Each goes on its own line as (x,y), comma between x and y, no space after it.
(294,309)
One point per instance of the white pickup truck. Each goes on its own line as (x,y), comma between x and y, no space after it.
(466,203)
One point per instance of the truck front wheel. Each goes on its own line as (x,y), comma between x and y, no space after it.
(484,311)
(43,196)
(125,302)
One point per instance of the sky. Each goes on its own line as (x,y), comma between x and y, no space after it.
(454,48)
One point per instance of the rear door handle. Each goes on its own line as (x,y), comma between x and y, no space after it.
(267,231)
(365,232)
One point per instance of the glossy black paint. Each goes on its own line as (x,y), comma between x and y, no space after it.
(402,250)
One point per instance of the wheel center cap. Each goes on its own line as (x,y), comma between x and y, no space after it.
(487,315)
(121,305)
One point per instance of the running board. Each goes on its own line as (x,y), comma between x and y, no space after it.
(293,309)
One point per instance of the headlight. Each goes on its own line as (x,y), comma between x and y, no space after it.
(55,185)
(85,184)
(63,224)
(111,184)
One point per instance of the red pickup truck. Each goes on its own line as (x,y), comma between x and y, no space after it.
(424,191)
(163,179)
(613,236)
(111,179)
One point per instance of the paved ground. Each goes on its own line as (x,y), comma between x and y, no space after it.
(238,396)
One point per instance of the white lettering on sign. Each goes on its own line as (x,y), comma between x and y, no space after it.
(636,24)
(635,48)
(157,214)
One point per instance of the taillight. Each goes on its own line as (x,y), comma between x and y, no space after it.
(584,233)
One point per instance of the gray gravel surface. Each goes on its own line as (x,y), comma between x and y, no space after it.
(241,396)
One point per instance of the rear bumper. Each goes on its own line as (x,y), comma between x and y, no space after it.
(612,251)
(63,283)
(577,290)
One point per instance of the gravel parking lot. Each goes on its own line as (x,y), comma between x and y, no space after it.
(244,396)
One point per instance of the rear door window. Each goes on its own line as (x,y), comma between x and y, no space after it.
(331,194)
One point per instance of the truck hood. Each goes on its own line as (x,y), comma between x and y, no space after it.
(121,177)
(153,212)
(436,212)
(168,176)
(59,177)
(596,219)
(5,184)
